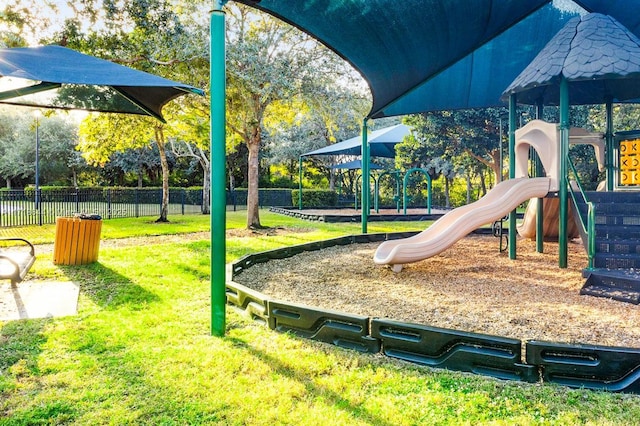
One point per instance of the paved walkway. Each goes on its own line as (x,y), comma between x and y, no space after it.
(38,299)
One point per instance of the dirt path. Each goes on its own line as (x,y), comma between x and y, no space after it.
(138,241)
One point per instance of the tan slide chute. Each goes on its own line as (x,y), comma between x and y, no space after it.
(459,222)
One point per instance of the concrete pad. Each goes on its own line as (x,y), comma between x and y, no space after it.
(38,299)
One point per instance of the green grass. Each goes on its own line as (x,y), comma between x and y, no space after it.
(119,228)
(139,352)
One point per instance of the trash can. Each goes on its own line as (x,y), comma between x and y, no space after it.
(77,240)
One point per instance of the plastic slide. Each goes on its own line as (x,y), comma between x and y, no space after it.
(459,222)
(551,211)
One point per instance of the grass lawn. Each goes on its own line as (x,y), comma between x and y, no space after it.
(139,352)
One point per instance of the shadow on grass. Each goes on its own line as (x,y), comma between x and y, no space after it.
(21,342)
(107,288)
(358,411)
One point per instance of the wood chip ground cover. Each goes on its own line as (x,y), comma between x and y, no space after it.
(470,287)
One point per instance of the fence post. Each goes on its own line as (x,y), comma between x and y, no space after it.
(137,203)
(109,203)
(39,205)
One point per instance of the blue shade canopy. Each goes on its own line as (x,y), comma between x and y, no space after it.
(83,82)
(425,55)
(597,55)
(382,143)
(356,164)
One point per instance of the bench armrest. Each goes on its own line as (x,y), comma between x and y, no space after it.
(31,248)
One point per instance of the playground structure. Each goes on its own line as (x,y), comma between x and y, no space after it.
(547,83)
(551,206)
(506,196)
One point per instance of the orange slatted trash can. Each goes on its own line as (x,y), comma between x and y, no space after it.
(77,240)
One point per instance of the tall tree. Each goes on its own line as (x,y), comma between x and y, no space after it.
(144,34)
(103,134)
(267,61)
(59,162)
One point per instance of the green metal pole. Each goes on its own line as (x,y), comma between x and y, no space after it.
(501,155)
(405,201)
(563,239)
(609,145)
(300,183)
(428,193)
(217,85)
(376,188)
(512,172)
(540,206)
(365,177)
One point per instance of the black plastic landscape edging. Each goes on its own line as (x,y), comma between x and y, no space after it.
(614,369)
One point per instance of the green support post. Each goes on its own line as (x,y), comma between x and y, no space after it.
(563,240)
(217,84)
(609,145)
(540,206)
(300,183)
(376,188)
(365,177)
(512,172)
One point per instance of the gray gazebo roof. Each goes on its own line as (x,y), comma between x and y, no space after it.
(595,53)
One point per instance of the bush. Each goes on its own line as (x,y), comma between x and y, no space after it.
(315,198)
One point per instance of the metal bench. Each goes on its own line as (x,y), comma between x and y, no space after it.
(17,255)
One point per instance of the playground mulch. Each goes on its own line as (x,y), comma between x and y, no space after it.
(470,287)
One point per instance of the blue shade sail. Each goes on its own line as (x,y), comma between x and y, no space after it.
(382,143)
(425,55)
(356,165)
(82,82)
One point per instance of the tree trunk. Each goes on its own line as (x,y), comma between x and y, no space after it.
(140,178)
(164,208)
(332,179)
(494,163)
(253,206)
(206,187)
(468,176)
(8,180)
(483,184)
(447,200)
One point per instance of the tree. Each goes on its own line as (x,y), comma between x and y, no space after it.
(103,134)
(267,61)
(331,116)
(189,138)
(59,161)
(147,35)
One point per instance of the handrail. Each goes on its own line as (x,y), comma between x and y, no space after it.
(590,227)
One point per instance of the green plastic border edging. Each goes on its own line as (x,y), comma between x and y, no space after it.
(613,369)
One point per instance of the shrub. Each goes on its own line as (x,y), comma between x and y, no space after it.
(315,198)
